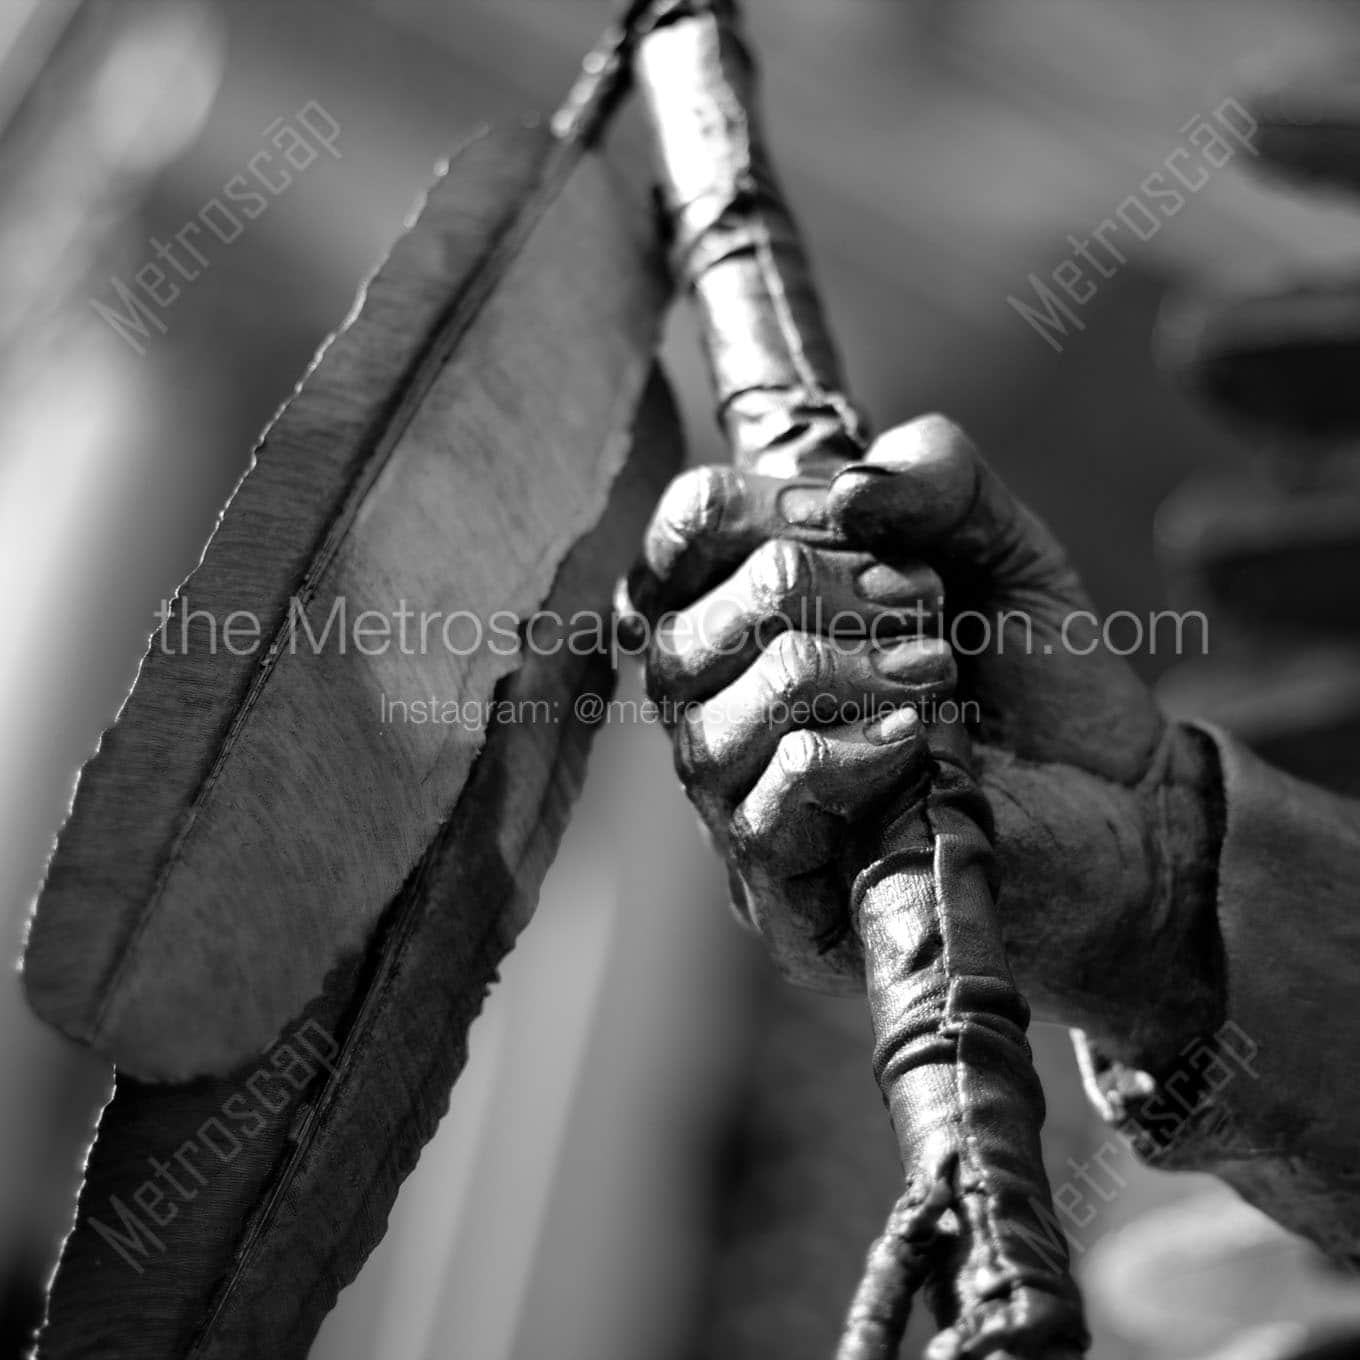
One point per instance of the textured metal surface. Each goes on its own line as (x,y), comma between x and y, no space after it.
(247,1260)
(774,367)
(951,1055)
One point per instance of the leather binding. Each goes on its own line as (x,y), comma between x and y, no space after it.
(975,1220)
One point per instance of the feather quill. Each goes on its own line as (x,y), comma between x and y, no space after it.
(250,814)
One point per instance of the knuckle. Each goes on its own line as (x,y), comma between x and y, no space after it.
(693,761)
(940,429)
(945,443)
(800,662)
(711,500)
(927,437)
(660,675)
(802,753)
(780,572)
(697,505)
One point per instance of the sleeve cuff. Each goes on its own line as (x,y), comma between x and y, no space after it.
(1270,1101)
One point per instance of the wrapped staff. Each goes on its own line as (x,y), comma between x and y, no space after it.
(951,1056)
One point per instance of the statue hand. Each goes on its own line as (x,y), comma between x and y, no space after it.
(1106,815)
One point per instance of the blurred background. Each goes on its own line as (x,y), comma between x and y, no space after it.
(657,1150)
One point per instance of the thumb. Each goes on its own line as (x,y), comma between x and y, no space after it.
(923,490)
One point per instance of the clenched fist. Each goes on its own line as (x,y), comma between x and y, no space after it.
(809,644)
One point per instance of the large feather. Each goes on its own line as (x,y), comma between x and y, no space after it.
(195,1242)
(248,816)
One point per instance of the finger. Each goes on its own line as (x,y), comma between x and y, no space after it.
(794,820)
(793,894)
(708,522)
(800,680)
(785,586)
(924,491)
(805,927)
